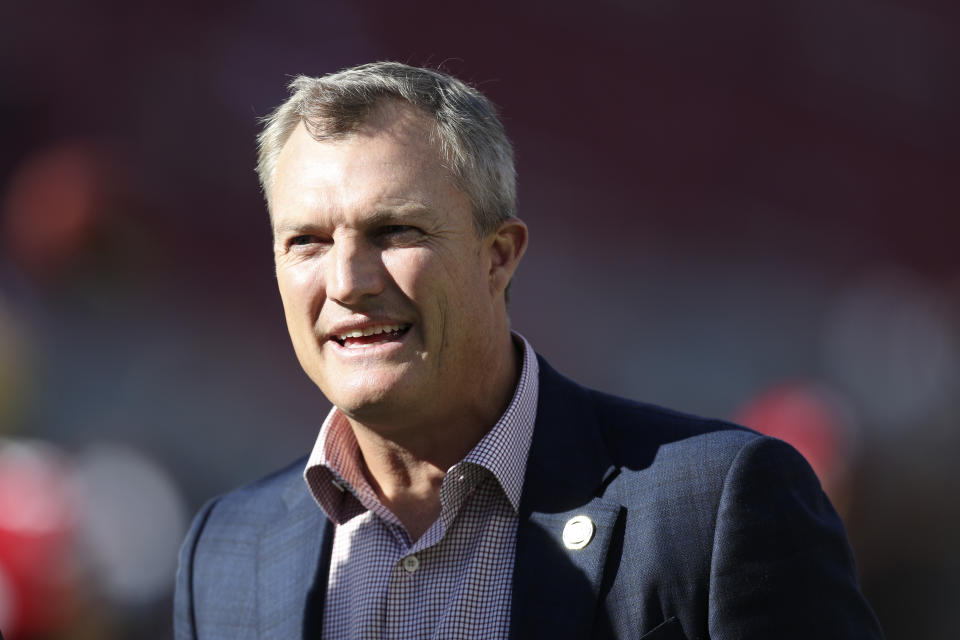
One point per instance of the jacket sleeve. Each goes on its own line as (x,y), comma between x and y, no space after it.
(184,622)
(781,565)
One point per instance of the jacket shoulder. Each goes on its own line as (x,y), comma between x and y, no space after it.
(622,421)
(649,447)
(259,501)
(629,427)
(218,558)
(231,524)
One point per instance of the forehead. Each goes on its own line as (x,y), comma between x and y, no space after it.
(392,155)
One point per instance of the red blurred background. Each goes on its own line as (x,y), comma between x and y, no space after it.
(745,209)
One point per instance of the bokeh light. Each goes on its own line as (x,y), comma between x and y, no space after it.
(52,207)
(891,341)
(132,522)
(37,533)
(815,421)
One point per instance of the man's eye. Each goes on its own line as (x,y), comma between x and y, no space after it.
(302,240)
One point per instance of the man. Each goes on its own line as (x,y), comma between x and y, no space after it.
(460,487)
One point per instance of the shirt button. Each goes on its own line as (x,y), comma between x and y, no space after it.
(411,564)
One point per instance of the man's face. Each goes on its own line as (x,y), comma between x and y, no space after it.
(386,286)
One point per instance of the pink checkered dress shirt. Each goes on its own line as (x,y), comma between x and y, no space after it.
(456,580)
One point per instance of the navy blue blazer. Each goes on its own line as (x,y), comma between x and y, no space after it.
(703,530)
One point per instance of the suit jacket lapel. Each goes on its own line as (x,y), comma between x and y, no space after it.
(292,567)
(556,589)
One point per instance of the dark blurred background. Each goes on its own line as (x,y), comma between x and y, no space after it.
(744,209)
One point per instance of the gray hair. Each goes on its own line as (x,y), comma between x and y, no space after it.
(472,142)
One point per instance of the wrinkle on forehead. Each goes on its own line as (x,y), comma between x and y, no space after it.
(389,163)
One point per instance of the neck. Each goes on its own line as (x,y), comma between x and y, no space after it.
(406,466)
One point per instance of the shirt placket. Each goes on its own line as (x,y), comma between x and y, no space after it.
(408,601)
(415,595)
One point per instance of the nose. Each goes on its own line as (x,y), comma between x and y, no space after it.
(354,271)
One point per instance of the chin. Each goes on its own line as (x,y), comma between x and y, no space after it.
(367,410)
(367,400)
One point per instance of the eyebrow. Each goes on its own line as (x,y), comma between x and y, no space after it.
(295,228)
(403,213)
(384,216)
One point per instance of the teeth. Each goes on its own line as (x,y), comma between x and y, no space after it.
(370,331)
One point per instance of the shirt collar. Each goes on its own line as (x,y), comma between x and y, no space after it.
(503,450)
(335,477)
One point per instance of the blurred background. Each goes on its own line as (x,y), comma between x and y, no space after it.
(746,209)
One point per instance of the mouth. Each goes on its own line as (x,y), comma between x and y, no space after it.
(371,335)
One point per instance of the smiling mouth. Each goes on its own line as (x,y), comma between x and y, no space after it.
(370,335)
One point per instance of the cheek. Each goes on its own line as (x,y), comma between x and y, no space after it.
(301,291)
(410,271)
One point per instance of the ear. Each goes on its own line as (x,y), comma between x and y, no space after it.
(507,245)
